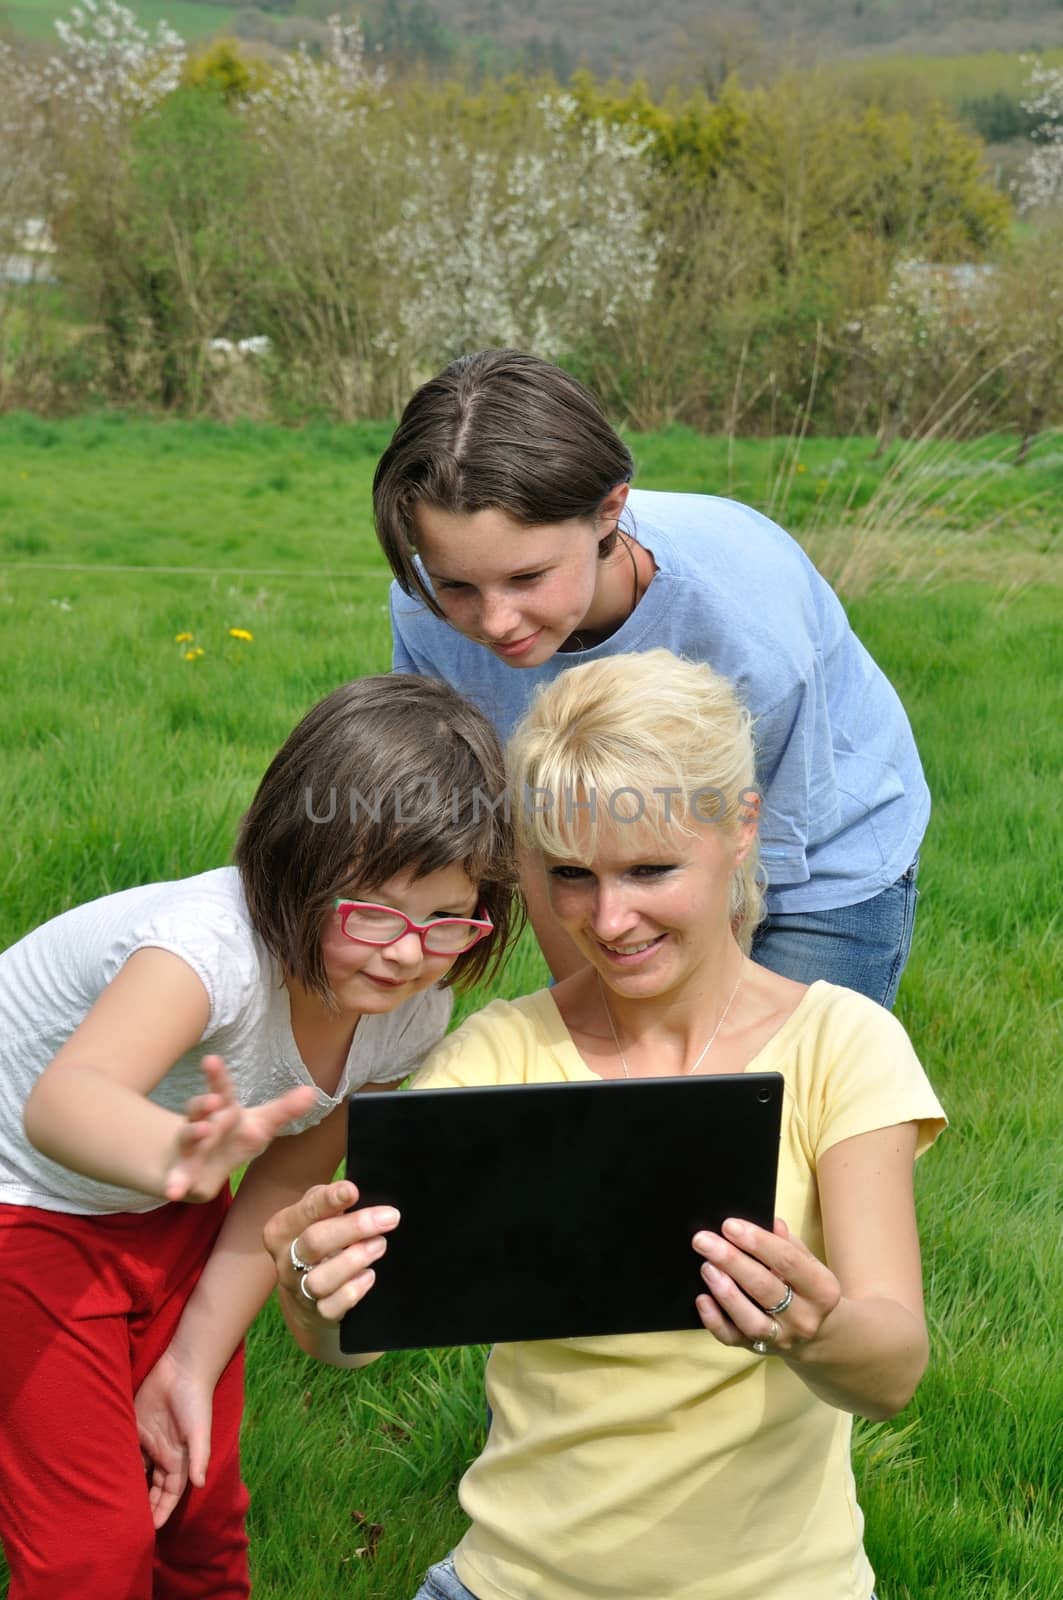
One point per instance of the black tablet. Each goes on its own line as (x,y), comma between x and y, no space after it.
(550,1211)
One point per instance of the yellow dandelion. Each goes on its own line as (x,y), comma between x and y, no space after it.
(193,655)
(240,633)
(801,467)
(183,638)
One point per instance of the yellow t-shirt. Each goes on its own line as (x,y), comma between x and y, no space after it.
(665,1466)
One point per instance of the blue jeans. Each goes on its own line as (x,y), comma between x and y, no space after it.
(441,1582)
(863,947)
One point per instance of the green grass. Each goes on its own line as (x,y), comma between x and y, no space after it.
(971,1515)
(35,19)
(952,79)
(256,496)
(121,762)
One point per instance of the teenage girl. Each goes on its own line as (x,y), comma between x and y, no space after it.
(368,878)
(504,506)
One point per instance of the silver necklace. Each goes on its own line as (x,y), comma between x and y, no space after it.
(705,1048)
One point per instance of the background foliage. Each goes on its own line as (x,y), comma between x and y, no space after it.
(305,236)
(672,39)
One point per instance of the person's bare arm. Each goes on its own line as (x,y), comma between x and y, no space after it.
(89,1108)
(174,1402)
(854,1331)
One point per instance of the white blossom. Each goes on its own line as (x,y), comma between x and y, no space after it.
(325,99)
(111,66)
(530,249)
(1042,184)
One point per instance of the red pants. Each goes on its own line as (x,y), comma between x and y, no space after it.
(87,1305)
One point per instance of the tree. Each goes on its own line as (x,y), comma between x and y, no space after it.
(525,243)
(714,49)
(823,170)
(223,67)
(29,186)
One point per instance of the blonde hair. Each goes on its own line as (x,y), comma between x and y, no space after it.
(648,739)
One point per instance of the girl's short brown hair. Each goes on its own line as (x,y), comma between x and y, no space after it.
(386,775)
(499,430)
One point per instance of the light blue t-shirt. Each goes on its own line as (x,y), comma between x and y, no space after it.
(845,803)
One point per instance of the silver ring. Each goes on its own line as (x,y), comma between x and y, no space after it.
(784,1304)
(305,1292)
(299,1265)
(762,1346)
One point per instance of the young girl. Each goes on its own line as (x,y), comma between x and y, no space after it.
(368,878)
(697,1465)
(519,549)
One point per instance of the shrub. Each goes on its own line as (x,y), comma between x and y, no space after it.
(728,262)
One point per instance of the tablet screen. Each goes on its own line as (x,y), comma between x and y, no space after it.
(547,1211)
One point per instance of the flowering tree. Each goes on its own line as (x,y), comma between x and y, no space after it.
(325,96)
(110,65)
(321,124)
(30,188)
(109,75)
(396,244)
(924,347)
(1043,183)
(527,247)
(23,133)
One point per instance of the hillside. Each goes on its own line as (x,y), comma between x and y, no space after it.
(673,40)
(686,39)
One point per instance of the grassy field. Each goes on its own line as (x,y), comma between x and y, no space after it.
(122,762)
(952,79)
(192,19)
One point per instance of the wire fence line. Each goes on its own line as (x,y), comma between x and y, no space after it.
(209,572)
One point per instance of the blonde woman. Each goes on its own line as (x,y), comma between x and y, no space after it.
(698,1465)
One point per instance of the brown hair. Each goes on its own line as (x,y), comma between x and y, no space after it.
(386,775)
(498,430)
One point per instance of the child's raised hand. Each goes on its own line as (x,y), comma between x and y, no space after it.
(219,1134)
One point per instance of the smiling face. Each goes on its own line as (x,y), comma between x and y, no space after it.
(522,592)
(367,978)
(650,917)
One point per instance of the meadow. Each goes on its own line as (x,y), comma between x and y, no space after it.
(128,755)
(192,19)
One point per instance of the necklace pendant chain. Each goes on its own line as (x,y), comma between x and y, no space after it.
(689,1073)
(627,543)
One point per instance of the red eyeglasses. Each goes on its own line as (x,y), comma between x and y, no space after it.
(364,923)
